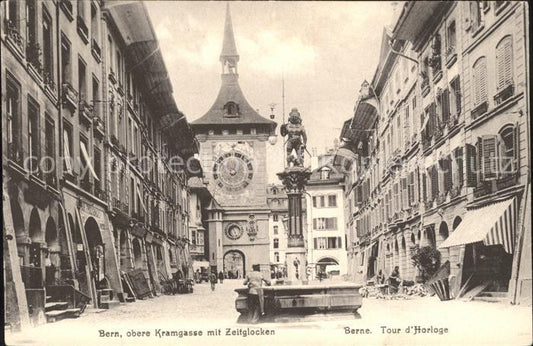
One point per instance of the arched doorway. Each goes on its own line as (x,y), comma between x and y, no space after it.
(137,254)
(328,265)
(234,264)
(36,237)
(96,248)
(52,256)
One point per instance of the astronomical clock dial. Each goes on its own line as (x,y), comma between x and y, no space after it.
(234,232)
(233,171)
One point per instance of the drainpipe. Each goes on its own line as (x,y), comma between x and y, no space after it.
(59,89)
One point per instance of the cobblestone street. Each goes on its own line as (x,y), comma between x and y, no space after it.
(467,323)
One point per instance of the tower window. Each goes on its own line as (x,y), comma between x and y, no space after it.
(232,109)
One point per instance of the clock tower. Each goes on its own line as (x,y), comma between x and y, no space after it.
(233,139)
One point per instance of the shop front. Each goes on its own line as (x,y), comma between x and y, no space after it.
(488,236)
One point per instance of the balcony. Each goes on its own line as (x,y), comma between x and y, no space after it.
(487,187)
(33,56)
(86,112)
(13,38)
(112,77)
(504,94)
(66,6)
(98,126)
(50,85)
(479,110)
(98,192)
(69,97)
(86,184)
(451,56)
(82,29)
(71,177)
(96,51)
(119,205)
(50,179)
(14,153)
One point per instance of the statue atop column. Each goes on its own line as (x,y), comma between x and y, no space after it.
(296,141)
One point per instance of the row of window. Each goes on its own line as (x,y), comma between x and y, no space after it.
(325,201)
(326,243)
(325,223)
(492,158)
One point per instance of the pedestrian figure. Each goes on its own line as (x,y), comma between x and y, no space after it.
(221,277)
(255,280)
(394,280)
(213,279)
(380,278)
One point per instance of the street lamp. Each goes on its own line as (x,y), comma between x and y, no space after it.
(273,138)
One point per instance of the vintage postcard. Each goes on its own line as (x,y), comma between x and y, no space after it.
(281,172)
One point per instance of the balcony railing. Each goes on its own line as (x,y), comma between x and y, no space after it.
(14,153)
(70,96)
(479,110)
(33,56)
(86,112)
(504,94)
(66,6)
(13,35)
(83,30)
(487,187)
(95,50)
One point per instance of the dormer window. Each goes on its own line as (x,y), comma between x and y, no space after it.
(325,173)
(231,109)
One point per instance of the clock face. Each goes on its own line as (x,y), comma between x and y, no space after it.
(233,171)
(234,232)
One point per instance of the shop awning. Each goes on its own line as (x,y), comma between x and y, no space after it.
(493,224)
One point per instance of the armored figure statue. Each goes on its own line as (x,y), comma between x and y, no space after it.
(297,139)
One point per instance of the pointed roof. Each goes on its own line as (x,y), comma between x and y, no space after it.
(230,91)
(229,49)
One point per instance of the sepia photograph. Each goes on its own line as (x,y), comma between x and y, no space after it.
(266,172)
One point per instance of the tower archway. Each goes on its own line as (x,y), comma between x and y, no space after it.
(234,264)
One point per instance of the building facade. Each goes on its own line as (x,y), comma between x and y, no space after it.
(462,155)
(83,208)
(279,209)
(233,139)
(325,236)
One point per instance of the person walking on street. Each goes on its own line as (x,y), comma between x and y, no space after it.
(254,281)
(221,277)
(213,280)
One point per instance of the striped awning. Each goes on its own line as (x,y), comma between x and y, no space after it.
(493,224)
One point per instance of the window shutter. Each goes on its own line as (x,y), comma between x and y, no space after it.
(445,105)
(504,63)
(410,189)
(480,81)
(405,198)
(448,179)
(490,157)
(315,241)
(457,94)
(424,187)
(407,121)
(434,182)
(416,198)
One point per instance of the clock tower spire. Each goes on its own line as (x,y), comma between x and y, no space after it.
(229,56)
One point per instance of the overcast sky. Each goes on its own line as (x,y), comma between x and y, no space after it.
(326,50)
